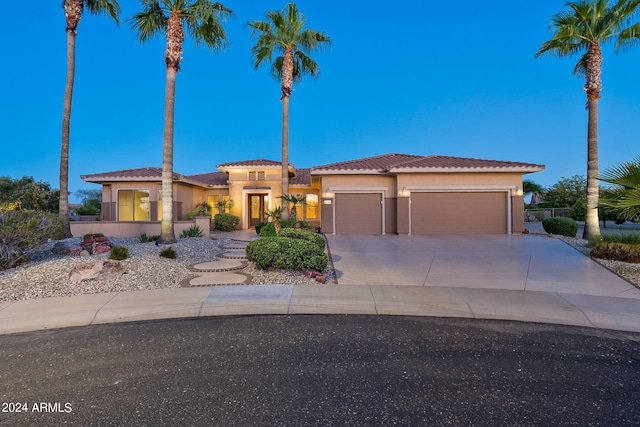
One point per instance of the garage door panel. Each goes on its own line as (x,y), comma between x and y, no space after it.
(459,213)
(358,213)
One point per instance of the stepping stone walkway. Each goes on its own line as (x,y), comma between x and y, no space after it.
(223,270)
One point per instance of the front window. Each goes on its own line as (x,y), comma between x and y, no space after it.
(311,206)
(219,203)
(133,205)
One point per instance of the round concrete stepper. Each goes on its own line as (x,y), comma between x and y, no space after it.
(234,254)
(220,265)
(218,279)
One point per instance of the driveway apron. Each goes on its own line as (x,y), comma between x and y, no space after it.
(514,262)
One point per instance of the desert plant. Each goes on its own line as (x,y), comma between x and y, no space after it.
(168,253)
(203,208)
(119,253)
(294,200)
(21,232)
(143,238)
(285,253)
(559,225)
(193,231)
(226,222)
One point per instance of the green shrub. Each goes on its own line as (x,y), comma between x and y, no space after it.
(259,226)
(143,238)
(168,253)
(226,222)
(21,232)
(293,233)
(119,253)
(193,231)
(626,252)
(194,214)
(559,225)
(579,210)
(304,225)
(286,253)
(94,235)
(268,230)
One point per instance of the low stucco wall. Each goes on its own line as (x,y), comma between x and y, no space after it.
(133,228)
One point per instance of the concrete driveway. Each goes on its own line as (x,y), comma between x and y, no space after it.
(514,262)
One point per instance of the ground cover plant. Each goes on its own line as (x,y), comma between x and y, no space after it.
(168,253)
(119,253)
(618,247)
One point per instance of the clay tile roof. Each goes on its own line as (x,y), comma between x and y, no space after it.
(394,163)
(212,178)
(303,177)
(249,163)
(126,174)
(448,162)
(375,163)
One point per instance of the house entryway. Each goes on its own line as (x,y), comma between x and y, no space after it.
(257,207)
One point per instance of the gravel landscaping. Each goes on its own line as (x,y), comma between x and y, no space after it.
(47,274)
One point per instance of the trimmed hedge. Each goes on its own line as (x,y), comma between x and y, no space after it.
(286,253)
(268,230)
(559,225)
(259,226)
(226,221)
(294,233)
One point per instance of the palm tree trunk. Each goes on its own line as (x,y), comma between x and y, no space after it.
(285,145)
(592,221)
(63,206)
(167,234)
(592,87)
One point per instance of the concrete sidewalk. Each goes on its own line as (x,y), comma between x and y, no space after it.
(524,278)
(547,307)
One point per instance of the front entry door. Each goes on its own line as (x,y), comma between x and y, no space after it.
(256,209)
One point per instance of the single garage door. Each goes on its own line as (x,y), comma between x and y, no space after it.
(358,213)
(459,213)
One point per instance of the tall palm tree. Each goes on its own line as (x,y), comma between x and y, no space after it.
(73,12)
(583,29)
(284,33)
(202,20)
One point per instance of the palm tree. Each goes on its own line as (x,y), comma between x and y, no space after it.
(276,215)
(284,33)
(624,199)
(582,29)
(73,12)
(294,200)
(202,20)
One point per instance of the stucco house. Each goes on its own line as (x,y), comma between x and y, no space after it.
(390,193)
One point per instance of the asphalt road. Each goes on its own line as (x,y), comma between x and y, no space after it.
(320,370)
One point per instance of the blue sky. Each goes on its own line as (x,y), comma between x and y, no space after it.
(409,77)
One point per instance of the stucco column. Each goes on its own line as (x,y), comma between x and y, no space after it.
(402,217)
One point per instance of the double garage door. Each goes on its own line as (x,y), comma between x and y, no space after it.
(431,213)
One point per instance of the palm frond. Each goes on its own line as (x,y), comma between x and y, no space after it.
(150,22)
(626,175)
(110,7)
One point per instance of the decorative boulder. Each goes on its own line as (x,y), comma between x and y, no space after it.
(100,247)
(61,248)
(100,270)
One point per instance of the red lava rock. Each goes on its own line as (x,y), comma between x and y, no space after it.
(271,268)
(102,239)
(100,248)
(321,278)
(525,231)
(87,240)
